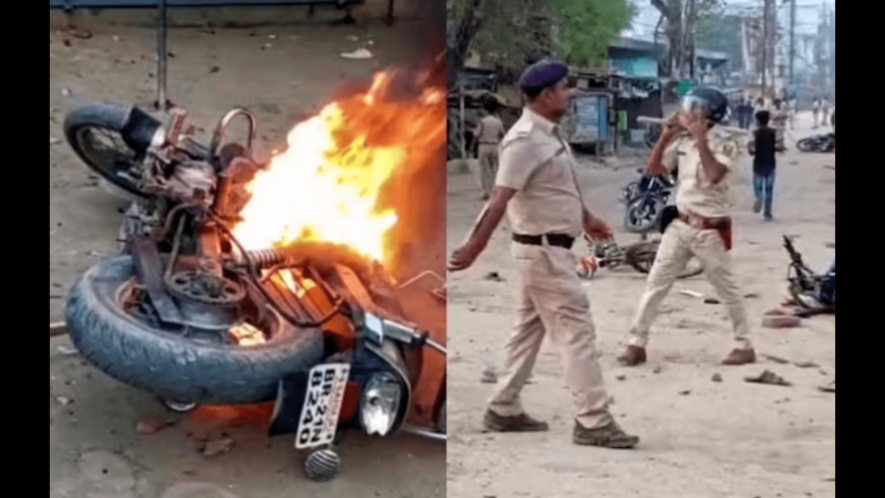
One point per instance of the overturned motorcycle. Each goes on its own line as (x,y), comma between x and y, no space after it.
(191,316)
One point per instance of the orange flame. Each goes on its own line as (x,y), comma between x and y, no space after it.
(326,185)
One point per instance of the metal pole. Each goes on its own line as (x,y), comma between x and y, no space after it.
(792,42)
(162,53)
(765,48)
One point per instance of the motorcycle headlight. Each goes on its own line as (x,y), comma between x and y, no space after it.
(380,404)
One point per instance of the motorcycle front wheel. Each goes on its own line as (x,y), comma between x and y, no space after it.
(641,215)
(169,364)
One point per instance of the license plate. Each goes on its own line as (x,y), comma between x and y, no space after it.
(322,405)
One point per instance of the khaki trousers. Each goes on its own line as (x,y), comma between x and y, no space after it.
(488,167)
(679,243)
(553,302)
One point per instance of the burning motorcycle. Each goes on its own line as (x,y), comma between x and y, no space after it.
(205,306)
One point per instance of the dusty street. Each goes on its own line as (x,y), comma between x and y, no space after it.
(283,74)
(700,438)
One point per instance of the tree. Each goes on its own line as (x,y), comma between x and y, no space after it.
(515,32)
(684,21)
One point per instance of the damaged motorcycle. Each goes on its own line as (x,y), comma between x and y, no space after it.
(187,314)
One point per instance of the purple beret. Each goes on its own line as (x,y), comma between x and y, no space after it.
(544,73)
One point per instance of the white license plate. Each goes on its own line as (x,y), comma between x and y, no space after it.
(322,405)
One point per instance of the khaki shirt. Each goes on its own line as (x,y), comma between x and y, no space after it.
(539,165)
(694,192)
(490,130)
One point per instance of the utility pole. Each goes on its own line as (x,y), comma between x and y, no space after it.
(792,42)
(765,9)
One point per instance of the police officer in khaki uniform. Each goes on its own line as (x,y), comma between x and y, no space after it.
(706,158)
(488,135)
(537,188)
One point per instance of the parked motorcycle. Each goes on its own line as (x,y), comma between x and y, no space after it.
(644,199)
(818,143)
(189,315)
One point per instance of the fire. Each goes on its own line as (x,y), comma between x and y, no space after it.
(327,185)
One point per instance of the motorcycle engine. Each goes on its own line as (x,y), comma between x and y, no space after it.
(189,177)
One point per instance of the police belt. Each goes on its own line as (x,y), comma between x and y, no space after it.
(553,239)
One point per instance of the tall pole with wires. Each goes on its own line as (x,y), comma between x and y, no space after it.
(792,42)
(765,19)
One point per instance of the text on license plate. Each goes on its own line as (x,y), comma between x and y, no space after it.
(322,405)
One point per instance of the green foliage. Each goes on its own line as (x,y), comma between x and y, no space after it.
(508,31)
(587,27)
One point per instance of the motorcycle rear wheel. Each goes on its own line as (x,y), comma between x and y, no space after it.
(167,363)
(107,137)
(641,256)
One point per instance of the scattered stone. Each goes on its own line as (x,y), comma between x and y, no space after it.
(776,359)
(54,141)
(63,401)
(685,392)
(691,293)
(777,312)
(214,69)
(66,92)
(267,46)
(489,376)
(751,295)
(806,364)
(781,321)
(621,377)
(829,388)
(716,377)
(67,350)
(151,427)
(271,37)
(196,490)
(493,276)
(830,245)
(359,53)
(658,370)
(769,378)
(711,300)
(83,34)
(216,447)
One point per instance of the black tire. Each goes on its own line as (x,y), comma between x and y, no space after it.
(641,257)
(132,126)
(806,145)
(642,215)
(173,367)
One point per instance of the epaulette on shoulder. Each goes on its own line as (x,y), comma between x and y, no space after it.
(521,130)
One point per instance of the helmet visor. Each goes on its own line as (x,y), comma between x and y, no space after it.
(695,106)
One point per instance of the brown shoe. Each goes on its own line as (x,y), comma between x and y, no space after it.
(607,436)
(632,356)
(740,357)
(518,423)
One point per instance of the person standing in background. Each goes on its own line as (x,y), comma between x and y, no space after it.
(815,112)
(793,108)
(764,162)
(825,112)
(487,136)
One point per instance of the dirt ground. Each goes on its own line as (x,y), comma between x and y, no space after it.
(95,452)
(700,438)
